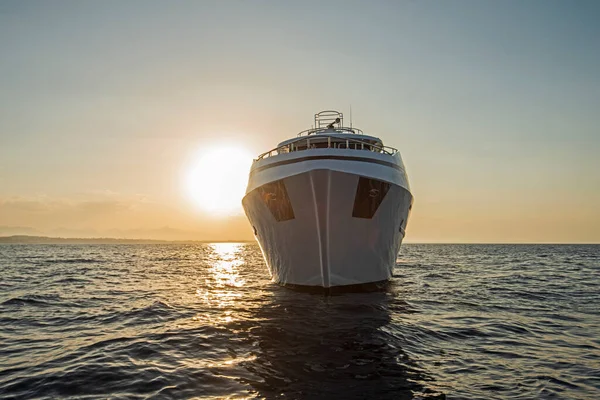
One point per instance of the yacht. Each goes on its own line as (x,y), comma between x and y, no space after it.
(329,207)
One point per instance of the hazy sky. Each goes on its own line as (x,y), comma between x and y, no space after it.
(495,107)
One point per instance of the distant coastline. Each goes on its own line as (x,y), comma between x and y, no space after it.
(33,239)
(28,239)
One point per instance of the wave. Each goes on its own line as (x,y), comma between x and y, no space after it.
(74,261)
(71,280)
(33,299)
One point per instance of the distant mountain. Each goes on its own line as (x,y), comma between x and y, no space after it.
(163,233)
(213,233)
(18,230)
(26,239)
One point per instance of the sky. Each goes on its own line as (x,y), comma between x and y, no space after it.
(106,106)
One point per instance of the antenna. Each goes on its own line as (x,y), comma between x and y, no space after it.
(350,116)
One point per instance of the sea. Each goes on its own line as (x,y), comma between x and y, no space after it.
(184,321)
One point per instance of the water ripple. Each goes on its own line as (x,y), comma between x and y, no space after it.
(183,321)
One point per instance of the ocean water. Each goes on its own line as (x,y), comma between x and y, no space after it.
(204,321)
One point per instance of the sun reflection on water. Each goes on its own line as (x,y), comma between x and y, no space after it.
(221,287)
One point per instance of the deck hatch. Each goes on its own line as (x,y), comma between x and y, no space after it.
(275,197)
(369,195)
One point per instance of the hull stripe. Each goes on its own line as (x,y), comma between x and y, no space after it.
(343,158)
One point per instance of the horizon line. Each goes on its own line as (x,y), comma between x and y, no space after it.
(13,239)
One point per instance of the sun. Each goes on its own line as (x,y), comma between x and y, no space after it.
(216,181)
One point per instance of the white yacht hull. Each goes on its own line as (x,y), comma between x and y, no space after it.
(306,210)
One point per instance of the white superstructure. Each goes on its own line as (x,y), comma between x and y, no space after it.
(329,207)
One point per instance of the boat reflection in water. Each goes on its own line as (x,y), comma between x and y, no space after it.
(310,346)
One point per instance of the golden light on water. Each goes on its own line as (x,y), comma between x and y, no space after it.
(225,267)
(221,288)
(217,180)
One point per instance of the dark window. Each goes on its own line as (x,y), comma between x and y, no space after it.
(369,195)
(275,197)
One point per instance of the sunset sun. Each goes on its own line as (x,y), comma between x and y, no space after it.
(217,179)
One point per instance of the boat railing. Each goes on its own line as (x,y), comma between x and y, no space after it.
(304,143)
(341,129)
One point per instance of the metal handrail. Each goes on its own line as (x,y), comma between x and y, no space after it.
(341,129)
(328,118)
(289,147)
